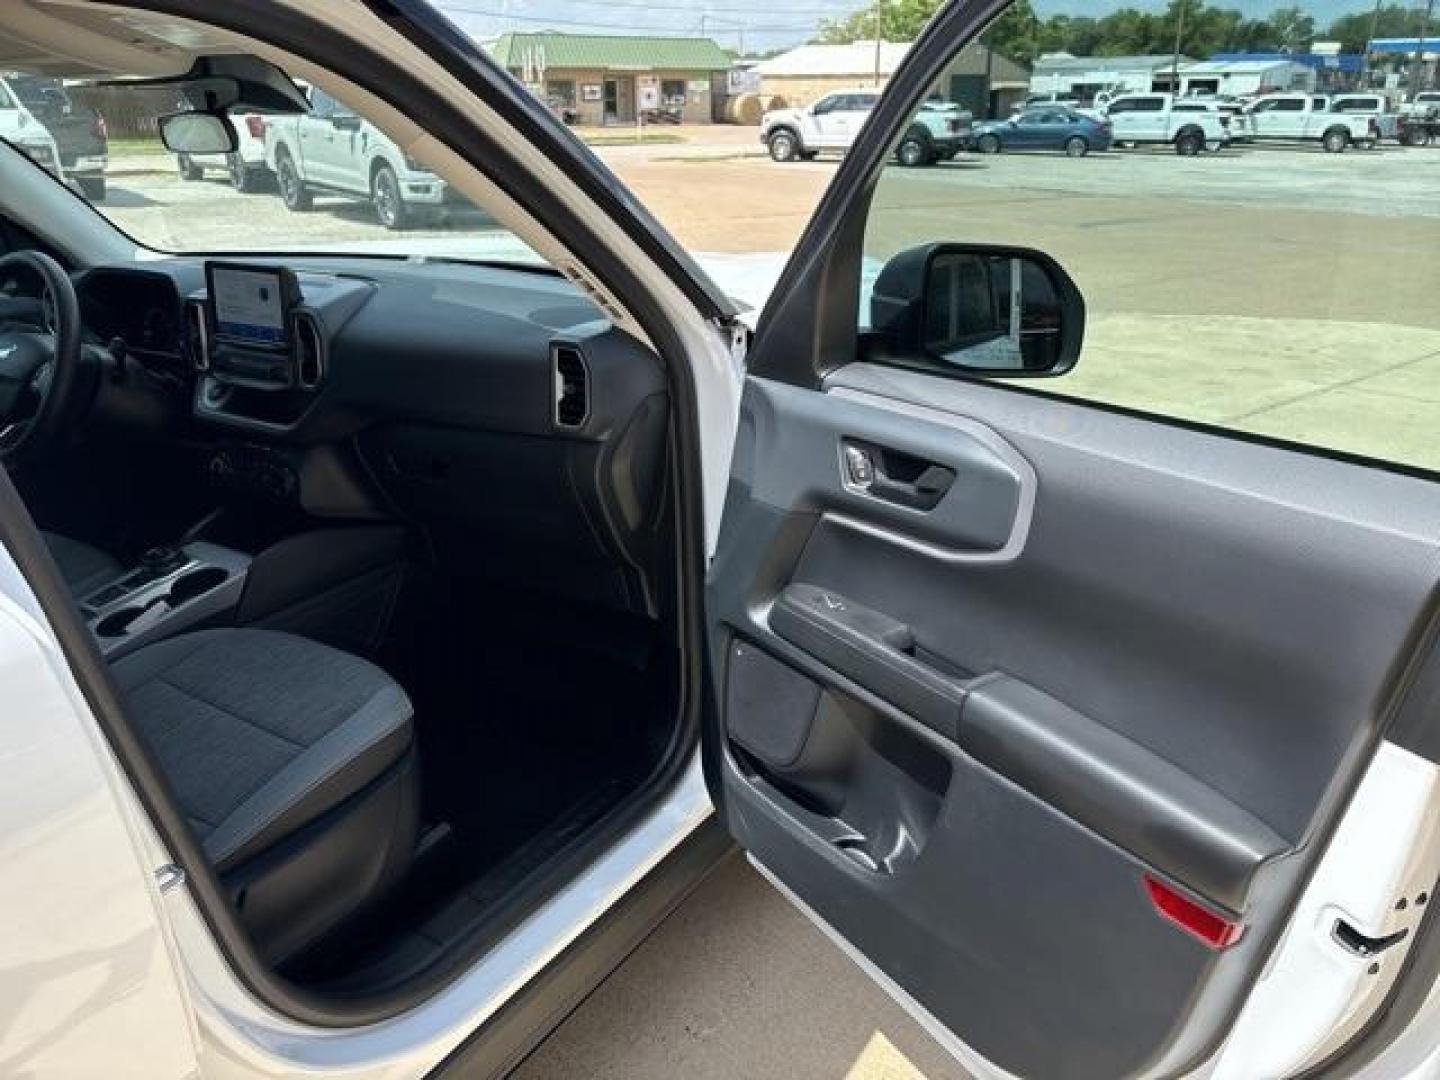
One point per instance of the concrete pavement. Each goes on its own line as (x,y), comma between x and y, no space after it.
(738,985)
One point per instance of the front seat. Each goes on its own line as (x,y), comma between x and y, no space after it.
(84,568)
(295,764)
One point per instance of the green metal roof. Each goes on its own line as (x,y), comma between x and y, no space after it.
(612,51)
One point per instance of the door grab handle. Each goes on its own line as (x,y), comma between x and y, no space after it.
(893,476)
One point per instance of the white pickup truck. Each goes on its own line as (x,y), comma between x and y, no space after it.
(332,150)
(1311,118)
(938,132)
(1423,105)
(1159,119)
(1374,106)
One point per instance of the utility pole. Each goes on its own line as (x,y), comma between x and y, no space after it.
(1419,82)
(879,7)
(1175,56)
(1369,41)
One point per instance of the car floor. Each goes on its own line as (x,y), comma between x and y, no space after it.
(532,723)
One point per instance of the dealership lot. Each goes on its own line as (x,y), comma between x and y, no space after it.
(1283,247)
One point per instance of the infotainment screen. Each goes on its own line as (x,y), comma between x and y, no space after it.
(250,303)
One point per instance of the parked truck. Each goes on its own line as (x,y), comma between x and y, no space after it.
(938,131)
(1164,120)
(1374,106)
(332,150)
(78,130)
(1312,118)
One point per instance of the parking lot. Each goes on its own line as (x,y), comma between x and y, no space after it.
(1272,289)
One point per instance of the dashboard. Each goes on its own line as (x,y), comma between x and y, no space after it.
(140,308)
(497,407)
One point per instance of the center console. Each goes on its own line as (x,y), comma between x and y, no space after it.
(173,589)
(259,337)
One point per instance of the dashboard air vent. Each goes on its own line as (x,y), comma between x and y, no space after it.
(572,386)
(309,352)
(197,333)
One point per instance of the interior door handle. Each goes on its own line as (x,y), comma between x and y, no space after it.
(894,476)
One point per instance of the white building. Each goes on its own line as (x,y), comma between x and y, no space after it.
(1244,77)
(1082,77)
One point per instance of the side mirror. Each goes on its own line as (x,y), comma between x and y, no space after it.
(980,308)
(345,122)
(197,133)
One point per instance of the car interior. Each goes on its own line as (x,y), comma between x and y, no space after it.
(379,552)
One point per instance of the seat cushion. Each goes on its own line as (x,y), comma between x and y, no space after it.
(83,567)
(261,732)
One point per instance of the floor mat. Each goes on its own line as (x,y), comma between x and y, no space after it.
(532,724)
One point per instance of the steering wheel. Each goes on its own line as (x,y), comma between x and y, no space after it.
(39,369)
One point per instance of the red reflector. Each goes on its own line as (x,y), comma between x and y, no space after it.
(1214,931)
(256,126)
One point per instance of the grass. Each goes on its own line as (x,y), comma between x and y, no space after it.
(621,138)
(137,147)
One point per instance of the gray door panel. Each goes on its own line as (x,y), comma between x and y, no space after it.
(1112,650)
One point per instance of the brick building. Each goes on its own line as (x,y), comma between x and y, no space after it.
(605,79)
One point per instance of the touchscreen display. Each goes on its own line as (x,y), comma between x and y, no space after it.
(249,305)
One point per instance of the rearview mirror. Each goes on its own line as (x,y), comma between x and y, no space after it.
(197,133)
(981,308)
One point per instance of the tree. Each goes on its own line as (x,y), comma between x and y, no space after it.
(900,20)
(1353,31)
(1293,29)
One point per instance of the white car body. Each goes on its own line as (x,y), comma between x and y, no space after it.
(249,152)
(939,130)
(1155,120)
(831,123)
(111,967)
(331,150)
(1375,107)
(19,127)
(1309,118)
(1422,104)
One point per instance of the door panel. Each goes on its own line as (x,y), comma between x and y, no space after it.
(1110,653)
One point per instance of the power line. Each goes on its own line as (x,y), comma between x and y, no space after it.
(649,29)
(689,9)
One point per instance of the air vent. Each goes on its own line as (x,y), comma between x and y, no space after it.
(572,386)
(197,332)
(309,352)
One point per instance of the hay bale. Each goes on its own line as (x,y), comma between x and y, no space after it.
(743,109)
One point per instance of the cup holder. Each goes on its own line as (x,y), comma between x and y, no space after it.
(185,588)
(118,622)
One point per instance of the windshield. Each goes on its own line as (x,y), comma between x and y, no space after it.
(328,181)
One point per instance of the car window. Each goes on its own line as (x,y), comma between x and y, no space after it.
(321,103)
(863,102)
(828,104)
(1319,103)
(1289,294)
(277,193)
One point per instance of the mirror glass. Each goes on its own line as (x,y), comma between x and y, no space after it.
(197,133)
(991,313)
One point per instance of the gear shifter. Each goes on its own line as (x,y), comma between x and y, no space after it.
(162,560)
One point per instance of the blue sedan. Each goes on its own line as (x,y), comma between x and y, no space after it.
(1048,128)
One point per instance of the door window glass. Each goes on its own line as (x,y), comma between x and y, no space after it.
(1273,289)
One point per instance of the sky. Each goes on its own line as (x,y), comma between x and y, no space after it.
(762,26)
